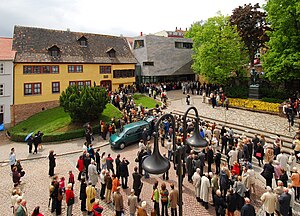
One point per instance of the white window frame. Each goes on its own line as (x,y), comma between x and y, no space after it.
(1,68)
(2,89)
(1,108)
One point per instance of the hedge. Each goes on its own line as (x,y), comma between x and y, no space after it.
(55,136)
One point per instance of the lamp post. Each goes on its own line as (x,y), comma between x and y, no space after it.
(157,164)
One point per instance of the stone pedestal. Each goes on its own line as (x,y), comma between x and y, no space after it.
(254,91)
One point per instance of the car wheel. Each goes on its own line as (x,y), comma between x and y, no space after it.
(122,145)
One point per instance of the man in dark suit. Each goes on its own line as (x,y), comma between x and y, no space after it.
(202,161)
(137,183)
(210,158)
(284,202)
(124,173)
(248,209)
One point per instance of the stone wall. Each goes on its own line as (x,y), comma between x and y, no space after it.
(23,111)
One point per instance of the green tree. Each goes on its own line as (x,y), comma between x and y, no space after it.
(84,103)
(218,50)
(252,26)
(282,59)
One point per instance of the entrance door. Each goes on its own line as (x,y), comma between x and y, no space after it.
(106,84)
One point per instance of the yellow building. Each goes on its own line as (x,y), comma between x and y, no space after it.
(48,61)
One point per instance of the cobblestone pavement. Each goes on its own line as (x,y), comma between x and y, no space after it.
(262,121)
(36,182)
(59,148)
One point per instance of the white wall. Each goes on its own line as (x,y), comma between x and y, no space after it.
(7,99)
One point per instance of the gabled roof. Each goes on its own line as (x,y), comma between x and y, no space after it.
(6,52)
(32,45)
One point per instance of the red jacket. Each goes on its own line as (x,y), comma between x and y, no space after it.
(236,169)
(69,194)
(80,165)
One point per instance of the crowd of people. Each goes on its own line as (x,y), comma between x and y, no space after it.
(227,186)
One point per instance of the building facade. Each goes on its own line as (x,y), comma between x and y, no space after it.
(48,61)
(6,80)
(163,57)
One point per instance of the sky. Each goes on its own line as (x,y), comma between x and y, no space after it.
(111,17)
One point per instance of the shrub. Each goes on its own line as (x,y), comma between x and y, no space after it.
(274,92)
(84,103)
(237,91)
(61,136)
(272,100)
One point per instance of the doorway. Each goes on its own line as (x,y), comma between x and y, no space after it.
(106,84)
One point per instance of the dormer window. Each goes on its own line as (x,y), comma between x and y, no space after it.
(54,51)
(111,53)
(83,41)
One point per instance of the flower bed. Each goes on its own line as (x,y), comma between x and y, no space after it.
(254,105)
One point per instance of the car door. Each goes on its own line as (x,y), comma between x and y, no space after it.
(131,135)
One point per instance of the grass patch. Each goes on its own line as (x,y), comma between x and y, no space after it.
(145,101)
(110,112)
(47,121)
(56,124)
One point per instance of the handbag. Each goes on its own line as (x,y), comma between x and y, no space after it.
(71,201)
(258,154)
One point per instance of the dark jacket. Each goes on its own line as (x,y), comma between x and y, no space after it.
(248,210)
(284,203)
(118,161)
(231,202)
(124,168)
(136,180)
(259,149)
(218,158)
(210,156)
(202,159)
(246,152)
(87,161)
(219,202)
(98,158)
(224,180)
(52,160)
(268,171)
(189,165)
(82,195)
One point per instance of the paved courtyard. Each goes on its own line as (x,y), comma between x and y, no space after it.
(36,181)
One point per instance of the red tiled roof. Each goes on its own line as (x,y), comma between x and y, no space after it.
(6,52)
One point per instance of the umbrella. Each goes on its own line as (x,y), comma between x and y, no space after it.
(29,135)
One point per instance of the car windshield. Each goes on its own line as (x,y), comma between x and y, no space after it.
(149,119)
(119,131)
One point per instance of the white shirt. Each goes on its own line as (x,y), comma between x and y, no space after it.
(102,178)
(12,159)
(169,145)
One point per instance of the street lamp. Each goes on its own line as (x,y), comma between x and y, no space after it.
(157,164)
(196,140)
